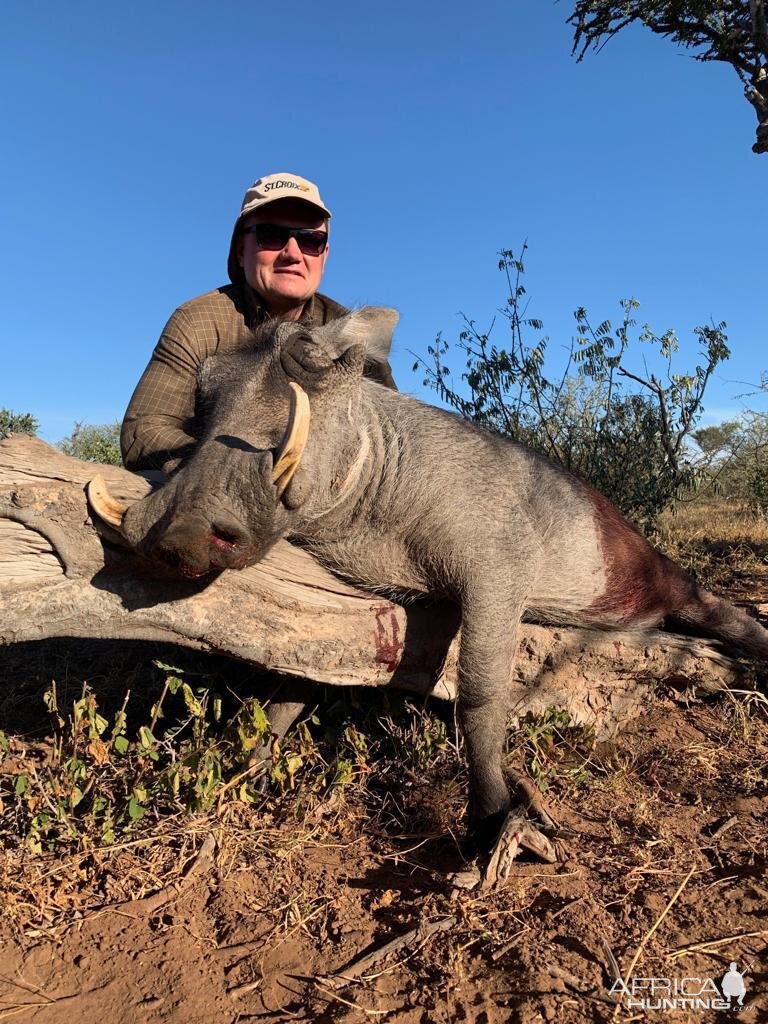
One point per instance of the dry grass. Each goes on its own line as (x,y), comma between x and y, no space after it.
(724,544)
(710,521)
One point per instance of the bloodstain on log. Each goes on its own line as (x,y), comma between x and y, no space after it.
(389,646)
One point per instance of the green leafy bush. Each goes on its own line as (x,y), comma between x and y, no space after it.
(17,423)
(94,443)
(625,433)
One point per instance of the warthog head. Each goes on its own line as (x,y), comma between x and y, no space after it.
(279,426)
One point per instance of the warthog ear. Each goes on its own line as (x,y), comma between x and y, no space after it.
(371,326)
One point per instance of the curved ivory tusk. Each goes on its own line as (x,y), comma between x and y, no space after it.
(291,448)
(110,509)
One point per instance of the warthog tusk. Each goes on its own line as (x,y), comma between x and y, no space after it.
(291,448)
(103,504)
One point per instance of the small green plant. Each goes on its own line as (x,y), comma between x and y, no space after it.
(98,783)
(105,781)
(549,743)
(350,760)
(417,734)
(308,765)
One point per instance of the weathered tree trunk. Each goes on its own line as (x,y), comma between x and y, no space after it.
(60,578)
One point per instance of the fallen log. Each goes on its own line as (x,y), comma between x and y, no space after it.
(59,577)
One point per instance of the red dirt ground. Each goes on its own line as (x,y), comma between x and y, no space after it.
(292,897)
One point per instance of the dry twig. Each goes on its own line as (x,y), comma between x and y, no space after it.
(727,824)
(707,947)
(575,985)
(499,953)
(240,990)
(416,936)
(657,922)
(348,1002)
(150,904)
(615,970)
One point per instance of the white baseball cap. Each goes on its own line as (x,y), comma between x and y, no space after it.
(269,189)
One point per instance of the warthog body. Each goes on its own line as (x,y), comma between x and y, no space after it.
(403,498)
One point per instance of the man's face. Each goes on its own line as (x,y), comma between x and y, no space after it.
(287,278)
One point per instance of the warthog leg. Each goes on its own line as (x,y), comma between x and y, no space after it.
(282,714)
(486,659)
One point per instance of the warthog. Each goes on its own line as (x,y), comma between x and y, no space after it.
(404,498)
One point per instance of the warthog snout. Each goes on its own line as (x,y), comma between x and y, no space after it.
(195,546)
(196,522)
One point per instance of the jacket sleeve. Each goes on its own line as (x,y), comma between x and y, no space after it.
(159,430)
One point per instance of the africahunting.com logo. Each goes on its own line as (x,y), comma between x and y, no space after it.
(682,993)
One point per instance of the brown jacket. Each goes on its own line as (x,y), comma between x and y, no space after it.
(160,428)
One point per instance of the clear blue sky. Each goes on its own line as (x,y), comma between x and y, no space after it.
(438,132)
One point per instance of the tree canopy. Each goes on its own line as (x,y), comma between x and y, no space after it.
(732,31)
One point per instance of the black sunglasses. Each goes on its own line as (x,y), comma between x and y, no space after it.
(311,241)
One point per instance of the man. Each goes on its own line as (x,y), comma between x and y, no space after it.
(276,260)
